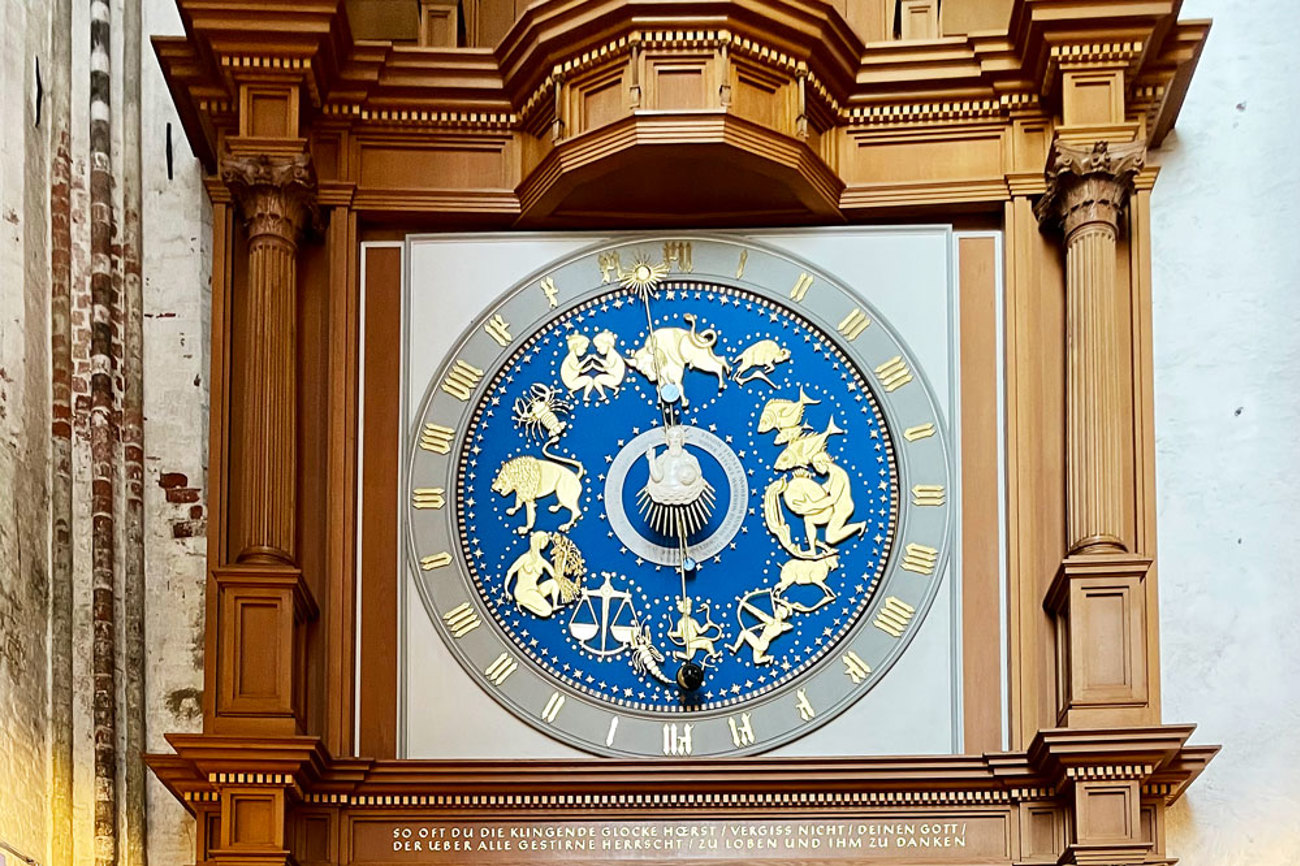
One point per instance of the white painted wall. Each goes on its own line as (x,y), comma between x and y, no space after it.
(1227,388)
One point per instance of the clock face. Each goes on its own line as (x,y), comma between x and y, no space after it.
(678,497)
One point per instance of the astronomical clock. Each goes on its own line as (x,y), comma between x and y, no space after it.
(671,496)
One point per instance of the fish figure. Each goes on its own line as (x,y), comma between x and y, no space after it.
(801,451)
(784,416)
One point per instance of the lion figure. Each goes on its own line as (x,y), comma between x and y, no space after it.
(530,479)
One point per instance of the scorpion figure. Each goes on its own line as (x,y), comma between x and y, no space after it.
(645,658)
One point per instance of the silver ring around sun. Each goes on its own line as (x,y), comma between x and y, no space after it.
(651,550)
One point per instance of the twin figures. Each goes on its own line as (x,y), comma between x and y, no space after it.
(604,368)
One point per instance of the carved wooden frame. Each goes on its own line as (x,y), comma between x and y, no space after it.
(314,142)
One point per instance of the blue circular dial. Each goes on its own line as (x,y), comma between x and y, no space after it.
(688,473)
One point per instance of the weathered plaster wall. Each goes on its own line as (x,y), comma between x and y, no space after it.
(177,301)
(1227,351)
(24,432)
(46,218)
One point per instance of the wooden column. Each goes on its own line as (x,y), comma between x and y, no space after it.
(263,603)
(1098,599)
(1087,191)
(275,196)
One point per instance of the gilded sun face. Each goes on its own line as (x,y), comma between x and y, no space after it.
(644,274)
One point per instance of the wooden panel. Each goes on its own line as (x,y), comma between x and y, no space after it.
(918,19)
(1042,832)
(1106,811)
(679,83)
(911,158)
(974,16)
(757,95)
(981,583)
(1093,97)
(444,164)
(1108,641)
(597,99)
(377,689)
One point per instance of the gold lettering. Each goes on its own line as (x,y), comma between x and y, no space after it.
(501,669)
(548,288)
(801,703)
(920,431)
(552,708)
(679,253)
(801,287)
(437,560)
(675,743)
(893,617)
(928,494)
(855,668)
(462,379)
(436,438)
(742,733)
(462,620)
(893,374)
(740,268)
(854,324)
(498,329)
(919,559)
(428,497)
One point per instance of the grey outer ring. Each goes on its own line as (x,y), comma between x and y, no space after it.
(658,553)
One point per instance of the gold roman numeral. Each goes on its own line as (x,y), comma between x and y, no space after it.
(855,668)
(806,711)
(461,619)
(675,743)
(498,329)
(919,559)
(893,374)
(894,616)
(552,708)
(547,286)
(436,438)
(437,560)
(679,253)
(501,669)
(613,728)
(928,494)
(742,732)
(428,497)
(920,431)
(801,287)
(740,268)
(854,324)
(462,379)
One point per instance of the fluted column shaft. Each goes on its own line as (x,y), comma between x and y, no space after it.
(275,198)
(1088,189)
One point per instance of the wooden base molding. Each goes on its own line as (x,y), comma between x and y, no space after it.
(253,794)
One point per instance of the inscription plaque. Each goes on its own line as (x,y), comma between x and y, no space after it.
(965,837)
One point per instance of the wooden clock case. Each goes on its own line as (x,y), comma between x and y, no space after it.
(643,114)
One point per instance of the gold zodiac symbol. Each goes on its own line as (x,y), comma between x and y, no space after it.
(530,478)
(769,627)
(758,360)
(691,636)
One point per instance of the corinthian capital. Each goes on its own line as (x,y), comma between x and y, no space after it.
(1089,185)
(275,194)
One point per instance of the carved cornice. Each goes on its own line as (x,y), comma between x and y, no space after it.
(276,194)
(890,83)
(204,763)
(1090,185)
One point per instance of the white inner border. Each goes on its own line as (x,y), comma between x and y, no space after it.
(956,672)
